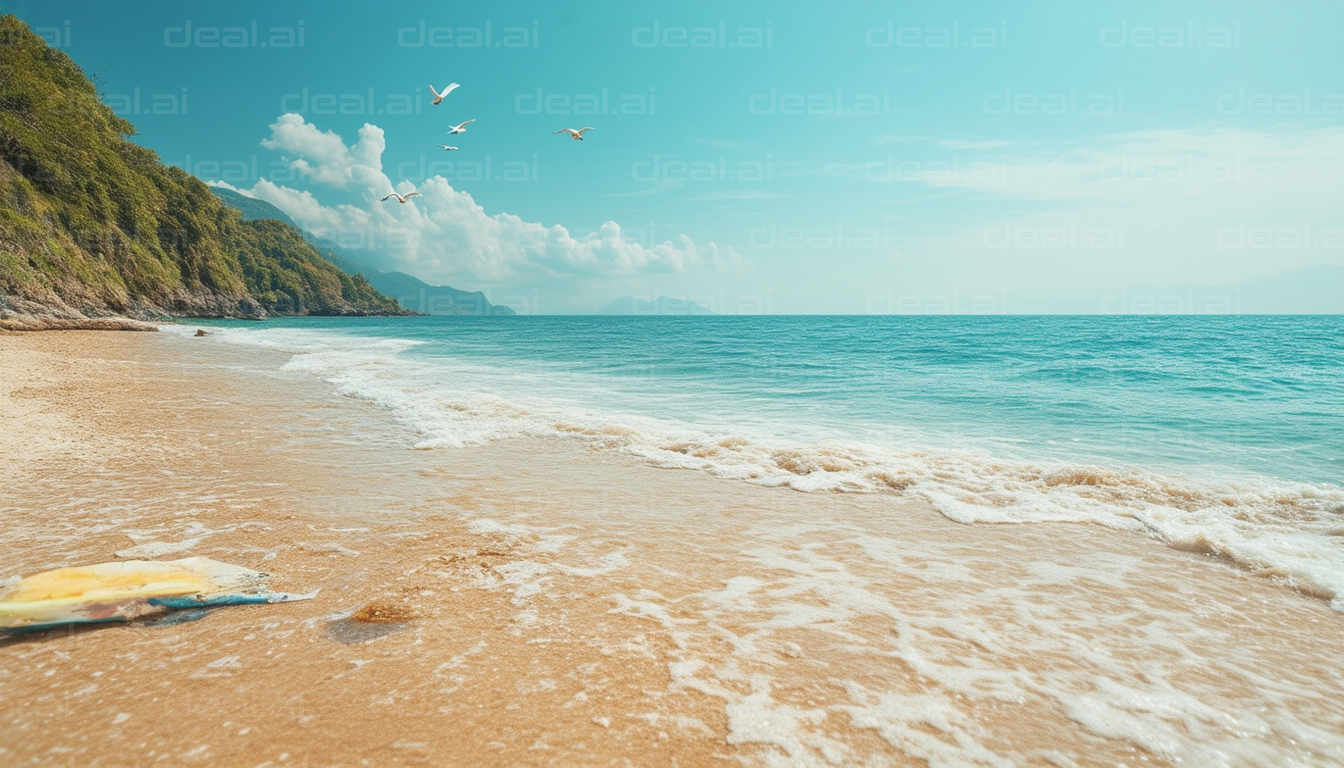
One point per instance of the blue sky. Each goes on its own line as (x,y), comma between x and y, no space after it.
(864,157)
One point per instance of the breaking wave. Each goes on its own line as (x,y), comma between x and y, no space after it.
(1292,532)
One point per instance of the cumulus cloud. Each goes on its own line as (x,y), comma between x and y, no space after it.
(230,187)
(324,157)
(445,234)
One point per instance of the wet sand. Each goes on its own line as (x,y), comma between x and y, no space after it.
(542,603)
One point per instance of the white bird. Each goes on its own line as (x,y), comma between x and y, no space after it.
(460,127)
(576,134)
(400,198)
(447,148)
(438,97)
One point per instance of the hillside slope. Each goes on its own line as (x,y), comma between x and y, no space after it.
(411,292)
(94,225)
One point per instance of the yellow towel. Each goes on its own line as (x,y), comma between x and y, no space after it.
(117,591)
(110,580)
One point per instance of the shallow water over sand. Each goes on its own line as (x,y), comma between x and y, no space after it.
(1218,435)
(574,605)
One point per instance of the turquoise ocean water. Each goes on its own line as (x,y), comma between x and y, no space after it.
(1226,433)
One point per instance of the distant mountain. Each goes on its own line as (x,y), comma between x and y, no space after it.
(93,225)
(411,292)
(251,207)
(663,305)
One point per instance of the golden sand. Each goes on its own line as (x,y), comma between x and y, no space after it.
(540,603)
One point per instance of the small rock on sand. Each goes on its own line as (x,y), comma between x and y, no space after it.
(384,611)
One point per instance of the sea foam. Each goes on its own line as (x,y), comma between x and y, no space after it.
(1284,530)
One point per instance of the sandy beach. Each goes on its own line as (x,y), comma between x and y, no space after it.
(552,604)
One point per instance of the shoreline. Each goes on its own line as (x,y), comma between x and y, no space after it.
(20,315)
(571,606)
(33,324)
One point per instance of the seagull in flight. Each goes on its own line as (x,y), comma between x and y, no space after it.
(447,148)
(460,127)
(400,198)
(576,133)
(438,97)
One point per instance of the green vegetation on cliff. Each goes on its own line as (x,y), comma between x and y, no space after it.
(92,222)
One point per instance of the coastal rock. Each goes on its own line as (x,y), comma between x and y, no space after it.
(21,315)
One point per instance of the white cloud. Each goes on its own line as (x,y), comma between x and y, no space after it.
(445,235)
(230,187)
(1168,197)
(1195,171)
(305,209)
(1176,170)
(324,157)
(1208,204)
